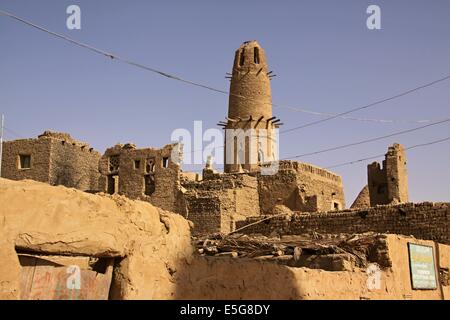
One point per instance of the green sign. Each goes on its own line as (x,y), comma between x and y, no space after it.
(422,266)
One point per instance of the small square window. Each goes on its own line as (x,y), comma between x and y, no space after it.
(24,161)
(137,164)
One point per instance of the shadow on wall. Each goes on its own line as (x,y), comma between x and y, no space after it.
(226,278)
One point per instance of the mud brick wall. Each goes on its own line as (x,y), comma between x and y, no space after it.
(426,220)
(38,149)
(216,204)
(74,165)
(389,184)
(135,165)
(205,213)
(55,158)
(301,187)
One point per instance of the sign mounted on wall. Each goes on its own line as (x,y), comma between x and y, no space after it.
(422,267)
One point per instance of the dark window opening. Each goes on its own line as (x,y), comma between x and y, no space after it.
(256,55)
(24,161)
(381,189)
(137,164)
(113,184)
(114,163)
(336,206)
(242,58)
(149,185)
(165,162)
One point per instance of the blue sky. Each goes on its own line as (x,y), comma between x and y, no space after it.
(323,54)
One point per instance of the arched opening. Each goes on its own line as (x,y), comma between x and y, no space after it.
(247,150)
(235,150)
(256,55)
(242,58)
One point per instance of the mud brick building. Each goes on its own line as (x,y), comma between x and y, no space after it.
(54,158)
(221,200)
(387,184)
(301,187)
(147,174)
(390,183)
(218,201)
(214,202)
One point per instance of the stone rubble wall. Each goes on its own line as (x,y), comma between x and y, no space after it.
(131,179)
(426,220)
(56,159)
(216,205)
(301,187)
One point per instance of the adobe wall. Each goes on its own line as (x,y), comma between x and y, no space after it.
(147,243)
(389,183)
(397,174)
(216,203)
(164,192)
(38,149)
(300,187)
(204,211)
(155,259)
(235,278)
(56,159)
(73,164)
(428,221)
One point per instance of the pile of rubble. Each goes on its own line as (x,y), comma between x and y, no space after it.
(316,251)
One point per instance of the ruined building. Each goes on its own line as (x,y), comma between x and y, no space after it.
(250,139)
(214,203)
(301,187)
(252,184)
(389,184)
(54,158)
(145,174)
(245,189)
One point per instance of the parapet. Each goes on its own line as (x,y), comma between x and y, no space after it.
(309,169)
(65,139)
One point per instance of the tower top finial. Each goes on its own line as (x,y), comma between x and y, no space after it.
(250,43)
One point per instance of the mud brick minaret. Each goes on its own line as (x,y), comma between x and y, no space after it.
(250,138)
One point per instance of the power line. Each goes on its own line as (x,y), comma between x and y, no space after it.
(354,143)
(382,155)
(368,140)
(386,121)
(429,84)
(201,85)
(108,54)
(12,132)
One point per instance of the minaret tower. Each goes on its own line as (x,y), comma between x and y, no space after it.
(250,137)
